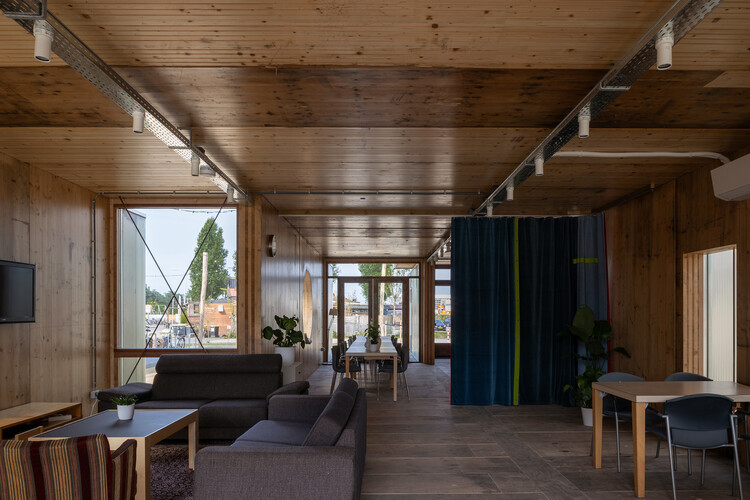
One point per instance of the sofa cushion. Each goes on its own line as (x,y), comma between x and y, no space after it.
(330,423)
(219,363)
(277,431)
(349,386)
(215,385)
(242,413)
(177,404)
(258,444)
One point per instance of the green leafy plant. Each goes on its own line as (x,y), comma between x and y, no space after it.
(593,334)
(285,335)
(124,400)
(373,333)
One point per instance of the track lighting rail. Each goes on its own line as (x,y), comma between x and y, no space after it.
(684,15)
(84,61)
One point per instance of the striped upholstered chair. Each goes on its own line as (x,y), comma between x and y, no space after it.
(72,469)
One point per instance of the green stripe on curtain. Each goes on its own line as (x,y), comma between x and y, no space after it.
(586,260)
(517,281)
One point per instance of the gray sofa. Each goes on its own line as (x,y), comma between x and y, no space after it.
(230,391)
(311,447)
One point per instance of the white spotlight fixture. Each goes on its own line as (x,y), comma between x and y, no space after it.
(230,194)
(509,192)
(442,251)
(43,36)
(664,43)
(539,165)
(490,209)
(584,119)
(139,117)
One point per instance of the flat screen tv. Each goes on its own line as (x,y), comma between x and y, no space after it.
(17,292)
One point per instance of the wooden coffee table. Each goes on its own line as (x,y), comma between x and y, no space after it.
(148,427)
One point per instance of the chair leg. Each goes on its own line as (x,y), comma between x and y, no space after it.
(377,382)
(703,467)
(617,438)
(690,462)
(406,384)
(747,453)
(671,462)
(736,470)
(658,447)
(333,381)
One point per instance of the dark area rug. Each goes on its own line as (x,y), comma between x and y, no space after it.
(171,479)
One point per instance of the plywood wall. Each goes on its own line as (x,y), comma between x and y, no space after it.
(281,282)
(14,245)
(647,239)
(641,260)
(47,221)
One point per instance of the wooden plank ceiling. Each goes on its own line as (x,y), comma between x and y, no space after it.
(369,124)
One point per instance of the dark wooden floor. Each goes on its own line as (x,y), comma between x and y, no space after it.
(426,448)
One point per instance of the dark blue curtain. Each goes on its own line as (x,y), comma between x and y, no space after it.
(483,311)
(547,249)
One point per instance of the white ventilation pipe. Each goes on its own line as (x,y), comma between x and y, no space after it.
(642,154)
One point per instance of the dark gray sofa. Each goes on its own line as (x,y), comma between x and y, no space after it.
(230,391)
(311,447)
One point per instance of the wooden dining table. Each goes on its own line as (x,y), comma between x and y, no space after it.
(642,393)
(386,351)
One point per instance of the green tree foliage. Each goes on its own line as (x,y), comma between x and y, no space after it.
(155,298)
(375,269)
(334,271)
(217,256)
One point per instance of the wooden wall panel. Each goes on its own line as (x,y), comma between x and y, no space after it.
(47,221)
(281,281)
(641,260)
(706,222)
(14,245)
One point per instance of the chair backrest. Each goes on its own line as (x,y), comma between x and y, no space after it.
(613,403)
(700,420)
(336,360)
(394,341)
(686,377)
(81,467)
(404,353)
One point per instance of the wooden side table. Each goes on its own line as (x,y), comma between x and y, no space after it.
(28,419)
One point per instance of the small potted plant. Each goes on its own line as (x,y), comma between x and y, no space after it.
(125,406)
(285,337)
(373,337)
(593,334)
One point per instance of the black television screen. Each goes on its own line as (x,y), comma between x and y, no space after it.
(17,297)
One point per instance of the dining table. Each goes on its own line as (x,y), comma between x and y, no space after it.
(387,350)
(640,394)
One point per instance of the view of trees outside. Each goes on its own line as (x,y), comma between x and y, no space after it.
(217,256)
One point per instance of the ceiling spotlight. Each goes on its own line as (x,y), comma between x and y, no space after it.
(206,171)
(230,194)
(539,165)
(490,208)
(43,36)
(509,192)
(584,119)
(138,118)
(442,251)
(664,43)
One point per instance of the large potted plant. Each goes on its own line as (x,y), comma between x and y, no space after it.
(285,337)
(373,337)
(593,334)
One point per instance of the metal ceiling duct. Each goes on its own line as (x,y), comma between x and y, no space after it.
(684,15)
(68,47)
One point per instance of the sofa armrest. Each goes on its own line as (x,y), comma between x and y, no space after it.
(141,391)
(123,468)
(297,408)
(301,387)
(310,472)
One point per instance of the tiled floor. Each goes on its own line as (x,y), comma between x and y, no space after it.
(425,448)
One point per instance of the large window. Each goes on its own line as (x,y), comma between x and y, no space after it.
(363,293)
(177,287)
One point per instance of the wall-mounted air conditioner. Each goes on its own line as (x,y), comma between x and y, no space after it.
(732,180)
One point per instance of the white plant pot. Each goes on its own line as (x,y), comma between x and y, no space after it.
(373,347)
(287,355)
(588,417)
(125,412)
